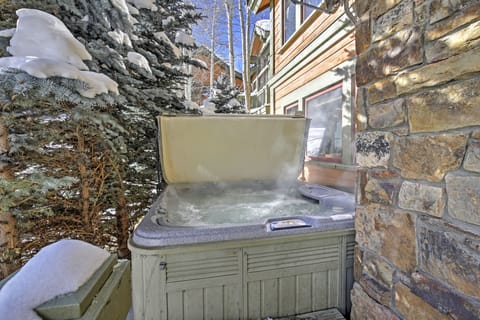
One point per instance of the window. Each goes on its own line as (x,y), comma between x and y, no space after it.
(325,133)
(289,19)
(291,109)
(307,11)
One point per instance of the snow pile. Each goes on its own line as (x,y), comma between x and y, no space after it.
(43,47)
(161,36)
(144,4)
(262,28)
(139,60)
(185,39)
(57,269)
(42,35)
(7,33)
(120,37)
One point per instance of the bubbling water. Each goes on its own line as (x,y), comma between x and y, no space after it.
(233,204)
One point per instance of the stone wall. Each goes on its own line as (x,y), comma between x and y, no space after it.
(418,150)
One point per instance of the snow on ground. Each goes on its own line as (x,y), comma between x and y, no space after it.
(57,269)
(43,47)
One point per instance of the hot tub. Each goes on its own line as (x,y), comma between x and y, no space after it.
(234,235)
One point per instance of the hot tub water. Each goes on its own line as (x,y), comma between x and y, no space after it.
(214,205)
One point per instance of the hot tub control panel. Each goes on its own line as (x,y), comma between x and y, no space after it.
(288,224)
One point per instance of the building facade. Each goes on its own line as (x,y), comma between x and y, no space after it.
(312,67)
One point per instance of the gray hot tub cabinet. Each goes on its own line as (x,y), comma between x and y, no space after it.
(237,271)
(245,279)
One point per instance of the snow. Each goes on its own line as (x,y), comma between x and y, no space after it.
(120,5)
(144,4)
(263,24)
(42,35)
(120,37)
(161,36)
(132,9)
(139,60)
(168,20)
(185,39)
(57,269)
(97,83)
(43,47)
(7,33)
(201,62)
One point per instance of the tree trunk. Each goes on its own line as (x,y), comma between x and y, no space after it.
(84,201)
(231,50)
(245,14)
(122,215)
(212,49)
(8,225)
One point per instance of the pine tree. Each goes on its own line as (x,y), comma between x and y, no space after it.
(84,158)
(225,97)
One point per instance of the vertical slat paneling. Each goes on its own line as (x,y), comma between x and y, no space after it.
(214,303)
(287,295)
(254,300)
(270,298)
(193,304)
(320,282)
(333,288)
(304,293)
(175,305)
(153,288)
(138,289)
(233,302)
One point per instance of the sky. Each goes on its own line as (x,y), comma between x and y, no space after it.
(202,31)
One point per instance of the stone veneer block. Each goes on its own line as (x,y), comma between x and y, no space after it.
(423,198)
(365,308)
(412,307)
(380,293)
(472,158)
(430,75)
(373,149)
(378,268)
(398,18)
(451,107)
(396,53)
(463,193)
(380,191)
(387,115)
(469,15)
(450,255)
(429,158)
(442,297)
(441,9)
(454,43)
(388,231)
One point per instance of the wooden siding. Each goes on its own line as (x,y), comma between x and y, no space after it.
(307,32)
(343,50)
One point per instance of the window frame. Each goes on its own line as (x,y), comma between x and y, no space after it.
(291,106)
